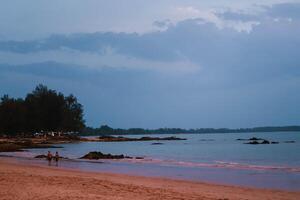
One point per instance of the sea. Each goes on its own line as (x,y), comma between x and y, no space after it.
(212,158)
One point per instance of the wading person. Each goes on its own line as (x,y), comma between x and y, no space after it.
(49,158)
(56,158)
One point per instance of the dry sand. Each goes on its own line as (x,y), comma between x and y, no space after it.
(20,181)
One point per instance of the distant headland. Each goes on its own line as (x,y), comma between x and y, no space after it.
(106,130)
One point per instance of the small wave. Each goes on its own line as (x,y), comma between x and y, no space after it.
(216,164)
(256,167)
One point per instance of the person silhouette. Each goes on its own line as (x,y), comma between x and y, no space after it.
(49,158)
(56,158)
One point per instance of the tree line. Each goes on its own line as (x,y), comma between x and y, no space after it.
(41,110)
(106,130)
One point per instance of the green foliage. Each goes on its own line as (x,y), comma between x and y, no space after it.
(42,110)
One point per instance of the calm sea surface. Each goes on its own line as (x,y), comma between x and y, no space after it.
(217,158)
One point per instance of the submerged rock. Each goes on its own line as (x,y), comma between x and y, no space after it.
(265,142)
(108,138)
(157,143)
(40,156)
(250,139)
(95,155)
(274,142)
(157,138)
(252,142)
(254,138)
(292,141)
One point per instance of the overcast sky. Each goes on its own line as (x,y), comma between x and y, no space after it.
(166,63)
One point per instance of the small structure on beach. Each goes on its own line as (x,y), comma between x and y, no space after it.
(54,134)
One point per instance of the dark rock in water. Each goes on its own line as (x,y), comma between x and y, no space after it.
(172,138)
(251,139)
(252,142)
(289,141)
(139,158)
(254,138)
(207,140)
(40,156)
(125,139)
(157,143)
(107,137)
(157,138)
(256,142)
(265,142)
(95,155)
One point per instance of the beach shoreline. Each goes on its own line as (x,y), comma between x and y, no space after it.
(25,181)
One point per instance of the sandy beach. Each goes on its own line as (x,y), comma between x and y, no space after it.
(20,181)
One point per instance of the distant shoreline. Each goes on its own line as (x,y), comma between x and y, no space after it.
(106,130)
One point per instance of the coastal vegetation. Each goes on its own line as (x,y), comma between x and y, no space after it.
(42,110)
(106,130)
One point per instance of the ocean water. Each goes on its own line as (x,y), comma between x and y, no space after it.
(217,158)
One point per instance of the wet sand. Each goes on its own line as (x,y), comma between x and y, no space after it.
(20,181)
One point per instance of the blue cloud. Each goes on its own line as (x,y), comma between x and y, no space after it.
(285,10)
(239,16)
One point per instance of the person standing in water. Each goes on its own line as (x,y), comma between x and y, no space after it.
(56,158)
(49,158)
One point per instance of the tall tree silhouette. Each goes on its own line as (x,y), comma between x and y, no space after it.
(42,110)
(12,115)
(72,114)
